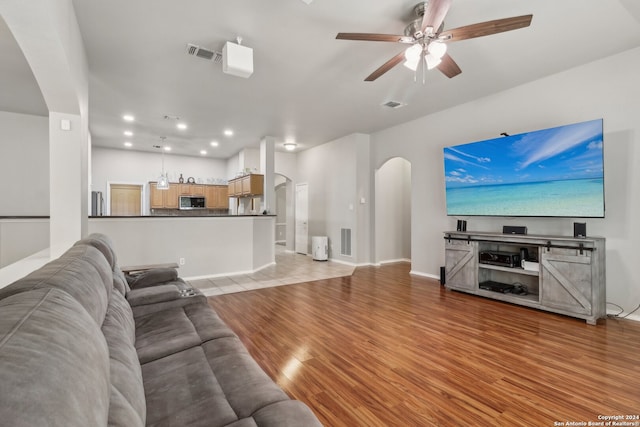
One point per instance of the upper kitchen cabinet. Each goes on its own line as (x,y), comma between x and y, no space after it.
(216,197)
(247,186)
(163,199)
(191,190)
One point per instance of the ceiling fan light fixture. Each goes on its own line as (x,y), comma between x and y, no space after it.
(412,64)
(413,52)
(432,61)
(437,49)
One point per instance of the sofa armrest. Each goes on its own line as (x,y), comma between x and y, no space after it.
(133,269)
(152,277)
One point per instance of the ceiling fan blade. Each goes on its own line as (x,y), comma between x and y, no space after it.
(386,67)
(448,66)
(434,14)
(486,28)
(372,37)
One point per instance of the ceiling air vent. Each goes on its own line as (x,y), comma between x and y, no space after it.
(393,104)
(203,53)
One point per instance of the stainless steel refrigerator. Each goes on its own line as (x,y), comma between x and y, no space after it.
(97,203)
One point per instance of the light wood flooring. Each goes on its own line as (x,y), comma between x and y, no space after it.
(384,348)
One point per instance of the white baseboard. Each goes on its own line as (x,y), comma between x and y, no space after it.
(231,273)
(391,261)
(421,274)
(634,317)
(351,264)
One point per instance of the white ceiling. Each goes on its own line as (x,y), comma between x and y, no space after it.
(306,85)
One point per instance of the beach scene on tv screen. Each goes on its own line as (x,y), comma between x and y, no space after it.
(550,172)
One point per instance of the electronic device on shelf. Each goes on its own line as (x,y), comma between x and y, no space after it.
(490,285)
(503,259)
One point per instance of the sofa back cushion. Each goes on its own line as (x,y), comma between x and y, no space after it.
(127,406)
(104,244)
(54,362)
(82,272)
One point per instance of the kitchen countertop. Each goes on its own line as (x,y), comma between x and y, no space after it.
(138,216)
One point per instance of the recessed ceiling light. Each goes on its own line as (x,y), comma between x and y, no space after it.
(167,148)
(203,152)
(128,118)
(214,143)
(128,144)
(290,146)
(228,132)
(128,133)
(181,126)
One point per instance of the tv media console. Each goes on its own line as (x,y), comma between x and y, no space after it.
(564,275)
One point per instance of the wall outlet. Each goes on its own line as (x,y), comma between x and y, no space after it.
(181,261)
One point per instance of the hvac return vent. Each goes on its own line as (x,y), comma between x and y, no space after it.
(203,53)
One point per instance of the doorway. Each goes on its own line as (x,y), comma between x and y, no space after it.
(393,211)
(126,199)
(302,219)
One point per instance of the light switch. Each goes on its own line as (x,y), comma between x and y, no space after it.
(65,124)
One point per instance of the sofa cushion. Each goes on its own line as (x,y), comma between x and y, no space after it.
(152,277)
(82,272)
(127,407)
(176,329)
(104,244)
(54,362)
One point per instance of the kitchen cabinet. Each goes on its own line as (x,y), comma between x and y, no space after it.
(216,196)
(191,189)
(163,199)
(251,185)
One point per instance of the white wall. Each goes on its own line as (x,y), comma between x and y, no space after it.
(24,165)
(605,89)
(393,211)
(22,237)
(335,185)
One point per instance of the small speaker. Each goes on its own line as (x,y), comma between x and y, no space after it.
(461,225)
(512,229)
(443,274)
(580,229)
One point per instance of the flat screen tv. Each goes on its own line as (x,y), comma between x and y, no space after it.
(556,172)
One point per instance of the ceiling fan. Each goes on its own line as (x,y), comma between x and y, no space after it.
(428,39)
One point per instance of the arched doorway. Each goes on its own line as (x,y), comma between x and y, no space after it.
(393,211)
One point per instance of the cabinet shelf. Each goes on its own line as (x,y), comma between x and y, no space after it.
(514,270)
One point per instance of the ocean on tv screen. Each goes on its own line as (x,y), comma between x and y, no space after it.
(551,172)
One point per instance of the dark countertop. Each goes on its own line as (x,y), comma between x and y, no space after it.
(24,217)
(182,216)
(138,216)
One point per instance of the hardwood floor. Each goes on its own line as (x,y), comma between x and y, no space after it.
(384,348)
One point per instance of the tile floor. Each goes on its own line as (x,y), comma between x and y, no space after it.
(290,268)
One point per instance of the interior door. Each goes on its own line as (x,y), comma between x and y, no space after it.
(302,219)
(126,200)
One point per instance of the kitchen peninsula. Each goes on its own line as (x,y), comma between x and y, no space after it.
(203,246)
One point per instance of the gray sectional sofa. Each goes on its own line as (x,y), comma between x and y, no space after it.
(80,347)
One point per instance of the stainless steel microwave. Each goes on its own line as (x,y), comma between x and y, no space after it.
(192,202)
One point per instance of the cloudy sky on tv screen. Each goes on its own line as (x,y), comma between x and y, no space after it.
(550,172)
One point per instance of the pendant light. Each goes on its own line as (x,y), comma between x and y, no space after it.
(163,181)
